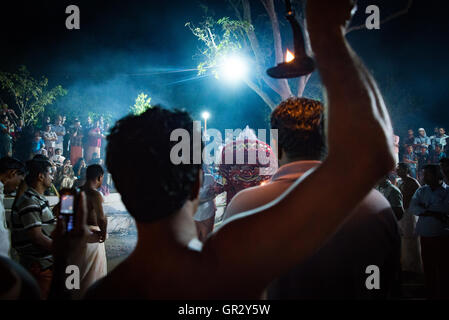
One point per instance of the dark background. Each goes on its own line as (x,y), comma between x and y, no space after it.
(123,46)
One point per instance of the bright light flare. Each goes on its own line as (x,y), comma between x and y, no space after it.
(289,56)
(205,115)
(233,68)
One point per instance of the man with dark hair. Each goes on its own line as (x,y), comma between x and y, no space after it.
(440,138)
(301,146)
(12,172)
(410,253)
(411,159)
(431,204)
(410,139)
(437,154)
(95,265)
(32,224)
(241,258)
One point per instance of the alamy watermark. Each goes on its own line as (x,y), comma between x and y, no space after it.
(257,150)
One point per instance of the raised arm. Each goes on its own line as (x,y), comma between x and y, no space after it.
(255,247)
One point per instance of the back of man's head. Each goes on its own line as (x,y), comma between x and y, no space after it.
(34,168)
(151,186)
(434,171)
(8,163)
(300,126)
(93,172)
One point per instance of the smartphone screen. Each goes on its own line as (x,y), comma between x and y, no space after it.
(67,209)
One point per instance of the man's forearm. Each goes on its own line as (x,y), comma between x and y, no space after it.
(357,104)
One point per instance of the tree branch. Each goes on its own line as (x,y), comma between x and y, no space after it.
(302,84)
(285,91)
(261,93)
(387,19)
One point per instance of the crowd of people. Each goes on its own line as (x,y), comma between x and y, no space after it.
(54,138)
(324,225)
(420,150)
(70,147)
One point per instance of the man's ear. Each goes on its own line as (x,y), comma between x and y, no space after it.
(41,177)
(197,185)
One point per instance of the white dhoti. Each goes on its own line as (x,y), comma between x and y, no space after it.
(410,251)
(95,264)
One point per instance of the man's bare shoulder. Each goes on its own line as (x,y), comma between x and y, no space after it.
(93,194)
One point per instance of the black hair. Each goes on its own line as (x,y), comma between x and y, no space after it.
(151,186)
(300,126)
(8,163)
(434,169)
(444,161)
(34,168)
(94,171)
(40,157)
(404,166)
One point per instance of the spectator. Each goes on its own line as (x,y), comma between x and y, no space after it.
(12,172)
(65,176)
(431,203)
(410,140)
(58,159)
(76,142)
(437,155)
(33,223)
(5,138)
(436,133)
(59,129)
(38,146)
(50,139)
(396,147)
(411,159)
(423,159)
(440,139)
(94,141)
(410,253)
(422,140)
(393,195)
(95,265)
(80,168)
(301,146)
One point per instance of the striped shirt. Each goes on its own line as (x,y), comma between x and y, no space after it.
(32,210)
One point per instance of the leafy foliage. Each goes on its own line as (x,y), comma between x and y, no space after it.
(30,95)
(220,38)
(141,105)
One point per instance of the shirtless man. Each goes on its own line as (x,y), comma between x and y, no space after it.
(243,256)
(95,265)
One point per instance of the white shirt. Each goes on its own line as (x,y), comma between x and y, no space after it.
(426,199)
(5,241)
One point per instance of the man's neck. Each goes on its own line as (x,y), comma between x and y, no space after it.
(91,185)
(172,233)
(39,188)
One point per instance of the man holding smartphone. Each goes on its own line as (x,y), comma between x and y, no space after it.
(32,224)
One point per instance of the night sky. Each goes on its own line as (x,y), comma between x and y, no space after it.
(121,42)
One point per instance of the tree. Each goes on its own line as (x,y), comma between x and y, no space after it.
(141,105)
(30,95)
(225,36)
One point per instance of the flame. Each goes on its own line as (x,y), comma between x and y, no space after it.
(289,56)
